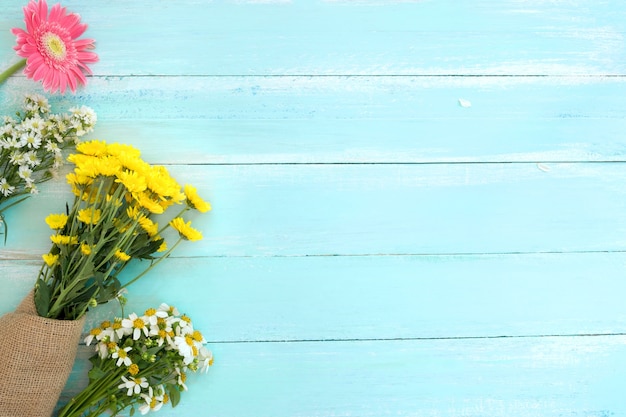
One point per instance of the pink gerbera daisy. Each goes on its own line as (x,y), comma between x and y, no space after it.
(53,53)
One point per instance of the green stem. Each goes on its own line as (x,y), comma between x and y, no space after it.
(12,69)
(93,394)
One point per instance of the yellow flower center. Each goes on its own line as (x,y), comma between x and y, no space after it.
(150,312)
(96,331)
(153,402)
(138,324)
(122,354)
(189,340)
(54,46)
(133,369)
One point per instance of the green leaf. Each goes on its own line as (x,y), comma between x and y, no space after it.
(174,396)
(42,298)
(95,374)
(144,247)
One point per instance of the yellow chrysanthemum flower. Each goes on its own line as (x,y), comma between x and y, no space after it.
(194,200)
(89,215)
(185,230)
(56,221)
(148,203)
(85,249)
(134,182)
(93,147)
(50,259)
(64,240)
(160,182)
(148,225)
(163,247)
(122,256)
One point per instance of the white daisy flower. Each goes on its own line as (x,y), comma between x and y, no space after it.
(95,333)
(186,347)
(152,315)
(5,188)
(24,172)
(152,402)
(122,356)
(137,324)
(17,158)
(31,158)
(133,385)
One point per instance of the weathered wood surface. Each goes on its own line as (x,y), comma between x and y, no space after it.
(418,207)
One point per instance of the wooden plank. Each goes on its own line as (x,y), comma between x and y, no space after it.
(340,98)
(375,297)
(362,119)
(295,210)
(194,37)
(579,376)
(212,141)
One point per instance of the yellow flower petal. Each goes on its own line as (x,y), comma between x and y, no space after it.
(134,182)
(185,230)
(93,147)
(194,200)
(121,255)
(85,249)
(50,259)
(56,221)
(64,240)
(89,215)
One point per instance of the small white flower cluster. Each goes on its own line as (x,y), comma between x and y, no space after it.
(157,348)
(31,145)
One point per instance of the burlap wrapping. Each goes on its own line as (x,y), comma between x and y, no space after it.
(36,358)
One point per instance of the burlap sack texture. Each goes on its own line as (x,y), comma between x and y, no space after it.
(36,358)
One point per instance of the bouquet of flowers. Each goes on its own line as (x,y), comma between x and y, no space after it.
(140,361)
(110,223)
(31,147)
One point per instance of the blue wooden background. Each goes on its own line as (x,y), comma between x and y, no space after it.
(419,207)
